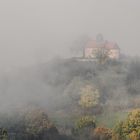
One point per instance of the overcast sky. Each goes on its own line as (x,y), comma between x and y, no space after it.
(33,30)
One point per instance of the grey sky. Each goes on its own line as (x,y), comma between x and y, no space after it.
(33,30)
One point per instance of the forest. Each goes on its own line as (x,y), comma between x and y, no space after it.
(68,99)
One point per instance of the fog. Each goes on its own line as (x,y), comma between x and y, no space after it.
(48,87)
(33,31)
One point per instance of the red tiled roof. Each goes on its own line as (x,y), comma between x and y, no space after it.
(111,45)
(91,44)
(107,44)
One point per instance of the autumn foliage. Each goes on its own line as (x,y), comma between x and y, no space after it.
(130,128)
(89,97)
(102,133)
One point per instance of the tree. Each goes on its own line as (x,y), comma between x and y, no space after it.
(89,97)
(86,121)
(102,133)
(133,77)
(38,124)
(84,127)
(102,55)
(79,44)
(129,129)
(3,134)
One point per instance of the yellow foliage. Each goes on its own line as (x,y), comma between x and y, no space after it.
(130,128)
(85,121)
(133,135)
(89,97)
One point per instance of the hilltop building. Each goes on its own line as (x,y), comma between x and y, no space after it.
(99,45)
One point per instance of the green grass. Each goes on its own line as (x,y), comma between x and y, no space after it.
(109,119)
